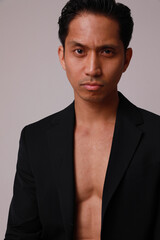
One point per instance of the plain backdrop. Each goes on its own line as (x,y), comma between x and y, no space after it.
(33,85)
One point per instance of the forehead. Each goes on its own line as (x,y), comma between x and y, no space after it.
(93,29)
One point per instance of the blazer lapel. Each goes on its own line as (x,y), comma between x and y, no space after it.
(126,138)
(61,142)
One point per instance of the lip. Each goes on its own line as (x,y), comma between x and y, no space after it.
(92,86)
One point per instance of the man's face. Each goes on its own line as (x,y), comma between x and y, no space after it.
(94,57)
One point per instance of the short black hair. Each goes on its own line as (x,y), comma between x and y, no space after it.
(108,8)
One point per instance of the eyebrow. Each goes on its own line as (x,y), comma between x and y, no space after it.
(113,46)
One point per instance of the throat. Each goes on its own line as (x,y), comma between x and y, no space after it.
(92,114)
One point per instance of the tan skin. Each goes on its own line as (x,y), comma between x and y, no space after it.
(94,60)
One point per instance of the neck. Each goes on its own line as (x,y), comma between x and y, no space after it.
(89,114)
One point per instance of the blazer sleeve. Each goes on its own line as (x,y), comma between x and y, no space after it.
(23,219)
(157,218)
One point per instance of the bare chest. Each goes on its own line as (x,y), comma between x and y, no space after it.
(90,160)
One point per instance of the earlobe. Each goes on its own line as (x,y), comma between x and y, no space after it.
(61,56)
(128,57)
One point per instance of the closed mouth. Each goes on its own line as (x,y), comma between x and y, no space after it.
(92,84)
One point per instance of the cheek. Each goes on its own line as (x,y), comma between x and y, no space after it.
(114,69)
(72,74)
(73,70)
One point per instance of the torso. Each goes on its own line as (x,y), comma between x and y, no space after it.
(92,150)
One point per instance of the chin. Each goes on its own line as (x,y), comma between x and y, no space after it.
(93,99)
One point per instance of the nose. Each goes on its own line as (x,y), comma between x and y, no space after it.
(92,65)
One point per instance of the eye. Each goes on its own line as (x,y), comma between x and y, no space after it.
(79,52)
(107,52)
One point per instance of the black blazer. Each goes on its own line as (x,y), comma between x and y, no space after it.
(43,204)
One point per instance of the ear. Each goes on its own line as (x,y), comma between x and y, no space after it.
(61,56)
(128,56)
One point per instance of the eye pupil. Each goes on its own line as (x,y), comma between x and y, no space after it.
(79,50)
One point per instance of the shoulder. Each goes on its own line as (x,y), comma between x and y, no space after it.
(147,121)
(136,113)
(151,127)
(150,117)
(44,124)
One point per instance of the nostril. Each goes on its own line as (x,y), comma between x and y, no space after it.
(93,72)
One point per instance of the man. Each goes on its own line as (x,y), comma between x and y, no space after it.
(92,170)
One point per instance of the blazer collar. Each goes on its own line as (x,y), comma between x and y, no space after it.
(126,138)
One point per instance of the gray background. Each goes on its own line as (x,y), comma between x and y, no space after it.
(33,85)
